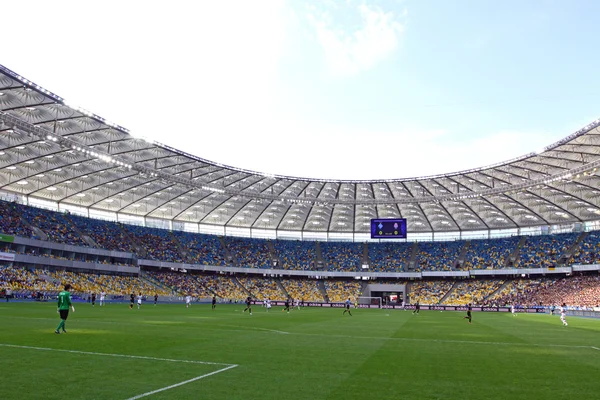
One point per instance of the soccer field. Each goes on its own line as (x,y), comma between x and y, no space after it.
(170,352)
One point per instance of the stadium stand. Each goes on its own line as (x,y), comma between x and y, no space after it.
(250,253)
(428,292)
(262,288)
(490,253)
(438,256)
(295,255)
(303,289)
(341,256)
(544,251)
(389,257)
(339,291)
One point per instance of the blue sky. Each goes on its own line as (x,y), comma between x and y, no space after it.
(325,89)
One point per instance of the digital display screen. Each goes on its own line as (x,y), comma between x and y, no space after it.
(388,228)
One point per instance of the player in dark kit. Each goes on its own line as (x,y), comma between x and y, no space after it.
(417,308)
(214,302)
(348,304)
(93,299)
(286,307)
(248,305)
(469,309)
(64,302)
(131,301)
(155,299)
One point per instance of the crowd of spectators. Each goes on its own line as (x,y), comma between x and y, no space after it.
(389,257)
(250,253)
(195,285)
(295,254)
(587,252)
(339,291)
(544,251)
(342,256)
(11,221)
(263,288)
(473,291)
(518,292)
(428,292)
(54,224)
(490,253)
(17,278)
(52,281)
(303,289)
(106,234)
(184,247)
(159,244)
(438,256)
(577,292)
(201,249)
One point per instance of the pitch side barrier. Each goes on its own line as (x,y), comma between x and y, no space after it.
(532,310)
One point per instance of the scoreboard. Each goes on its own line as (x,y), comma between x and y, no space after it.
(388,228)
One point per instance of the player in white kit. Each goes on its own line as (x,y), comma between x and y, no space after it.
(102,295)
(188,300)
(139,300)
(268,305)
(563,314)
(513,311)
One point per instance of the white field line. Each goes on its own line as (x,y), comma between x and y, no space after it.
(139,396)
(92,353)
(227,366)
(595,348)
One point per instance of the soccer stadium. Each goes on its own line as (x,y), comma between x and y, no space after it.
(189,278)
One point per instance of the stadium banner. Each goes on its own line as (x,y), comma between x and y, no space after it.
(463,274)
(591,267)
(7,257)
(409,307)
(6,238)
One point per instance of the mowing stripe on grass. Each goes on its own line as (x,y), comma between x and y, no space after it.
(445,341)
(139,396)
(117,355)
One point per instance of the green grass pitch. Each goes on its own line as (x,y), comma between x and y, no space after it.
(170,352)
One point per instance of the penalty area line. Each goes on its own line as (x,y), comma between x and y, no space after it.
(139,396)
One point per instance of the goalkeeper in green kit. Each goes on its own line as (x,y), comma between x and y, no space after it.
(64,302)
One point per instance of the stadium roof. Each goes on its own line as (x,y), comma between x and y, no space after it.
(53,151)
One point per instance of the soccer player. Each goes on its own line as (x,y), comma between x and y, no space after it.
(214,302)
(139,300)
(155,299)
(347,310)
(64,302)
(469,309)
(268,305)
(102,295)
(131,301)
(513,311)
(93,299)
(188,300)
(417,308)
(248,305)
(286,306)
(563,314)
(297,304)
(552,309)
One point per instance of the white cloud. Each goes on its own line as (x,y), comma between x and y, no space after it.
(348,52)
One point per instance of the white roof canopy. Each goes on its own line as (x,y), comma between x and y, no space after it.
(52,151)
